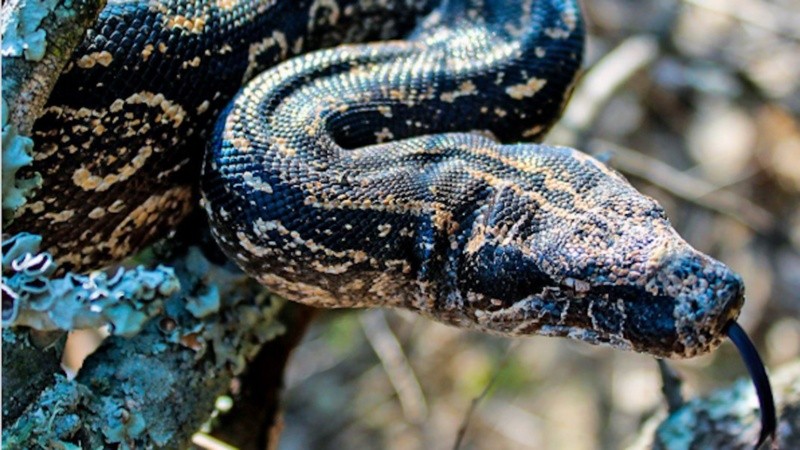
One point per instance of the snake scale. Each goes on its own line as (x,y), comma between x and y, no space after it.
(381,174)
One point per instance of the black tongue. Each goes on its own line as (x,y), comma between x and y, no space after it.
(760,380)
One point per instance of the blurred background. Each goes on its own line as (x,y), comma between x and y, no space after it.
(697,103)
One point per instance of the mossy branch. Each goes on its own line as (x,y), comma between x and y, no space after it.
(156,388)
(728,418)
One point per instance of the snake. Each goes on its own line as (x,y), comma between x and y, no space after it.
(404,172)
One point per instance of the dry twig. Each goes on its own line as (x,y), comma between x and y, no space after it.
(395,363)
(687,187)
(462,429)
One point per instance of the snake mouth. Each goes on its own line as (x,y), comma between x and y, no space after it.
(760,379)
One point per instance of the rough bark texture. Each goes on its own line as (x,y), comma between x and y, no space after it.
(39,38)
(155,389)
(254,421)
(28,369)
(728,418)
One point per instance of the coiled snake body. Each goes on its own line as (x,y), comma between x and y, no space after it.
(382,174)
(329,181)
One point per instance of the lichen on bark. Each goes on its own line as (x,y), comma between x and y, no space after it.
(155,388)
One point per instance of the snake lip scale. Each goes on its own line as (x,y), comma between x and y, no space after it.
(399,173)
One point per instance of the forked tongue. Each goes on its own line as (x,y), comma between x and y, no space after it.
(760,380)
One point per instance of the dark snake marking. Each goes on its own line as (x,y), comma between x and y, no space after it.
(383,174)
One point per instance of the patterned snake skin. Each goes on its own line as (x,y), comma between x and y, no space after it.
(376,175)
(120,142)
(383,174)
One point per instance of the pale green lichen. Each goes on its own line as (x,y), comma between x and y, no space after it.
(205,300)
(23,35)
(736,406)
(52,421)
(122,426)
(155,389)
(29,361)
(123,302)
(729,417)
(16,155)
(227,311)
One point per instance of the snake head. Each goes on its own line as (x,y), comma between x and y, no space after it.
(588,257)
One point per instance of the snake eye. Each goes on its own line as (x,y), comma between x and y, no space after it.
(760,380)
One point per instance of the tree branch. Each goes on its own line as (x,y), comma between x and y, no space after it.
(155,390)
